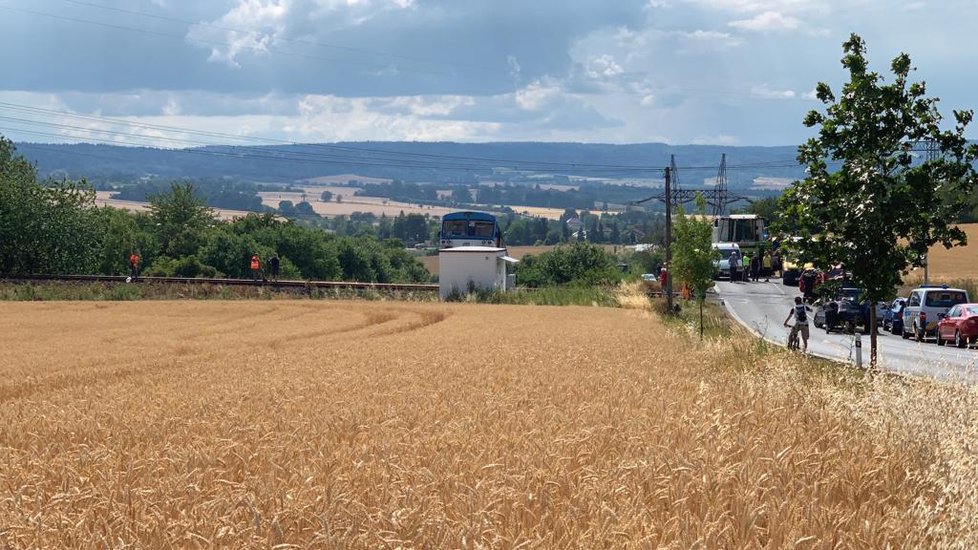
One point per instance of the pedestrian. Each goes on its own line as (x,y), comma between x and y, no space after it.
(687,293)
(755,268)
(255,267)
(273,265)
(767,263)
(776,262)
(134,265)
(663,278)
(745,268)
(734,262)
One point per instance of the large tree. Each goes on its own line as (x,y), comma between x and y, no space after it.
(870,199)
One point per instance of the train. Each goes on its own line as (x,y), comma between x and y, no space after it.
(470,229)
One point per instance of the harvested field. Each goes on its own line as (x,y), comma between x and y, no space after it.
(104,198)
(960,262)
(354,424)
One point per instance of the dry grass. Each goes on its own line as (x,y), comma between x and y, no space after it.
(960,262)
(103,198)
(351,424)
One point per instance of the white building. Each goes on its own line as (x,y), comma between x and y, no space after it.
(473,267)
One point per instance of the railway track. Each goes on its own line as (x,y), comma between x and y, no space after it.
(346,285)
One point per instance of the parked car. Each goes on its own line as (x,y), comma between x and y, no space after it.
(925,306)
(723,264)
(893,316)
(959,325)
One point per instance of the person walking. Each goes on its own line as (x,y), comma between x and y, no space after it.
(767,265)
(255,267)
(273,266)
(134,260)
(734,262)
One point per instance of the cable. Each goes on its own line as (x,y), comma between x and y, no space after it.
(216,43)
(280,38)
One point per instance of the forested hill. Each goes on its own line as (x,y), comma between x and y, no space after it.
(409,161)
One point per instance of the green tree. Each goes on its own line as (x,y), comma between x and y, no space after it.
(882,209)
(693,253)
(180,217)
(326,196)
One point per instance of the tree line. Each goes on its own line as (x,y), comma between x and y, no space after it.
(54,227)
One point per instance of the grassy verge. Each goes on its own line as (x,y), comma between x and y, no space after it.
(111,291)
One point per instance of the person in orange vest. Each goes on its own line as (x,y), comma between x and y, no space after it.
(255,266)
(134,265)
(687,293)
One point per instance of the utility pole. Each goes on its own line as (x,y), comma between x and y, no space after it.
(668,201)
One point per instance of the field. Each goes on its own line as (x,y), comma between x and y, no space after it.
(377,424)
(957,263)
(103,198)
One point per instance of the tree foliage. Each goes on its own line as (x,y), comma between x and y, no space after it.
(577,263)
(693,253)
(884,205)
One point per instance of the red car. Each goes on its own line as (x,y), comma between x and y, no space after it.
(960,326)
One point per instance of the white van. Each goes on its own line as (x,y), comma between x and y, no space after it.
(925,307)
(723,264)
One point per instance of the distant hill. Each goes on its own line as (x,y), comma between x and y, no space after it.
(516,162)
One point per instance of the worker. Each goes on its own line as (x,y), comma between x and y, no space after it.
(767,263)
(134,265)
(255,267)
(273,266)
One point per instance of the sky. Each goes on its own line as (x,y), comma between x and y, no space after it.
(179,73)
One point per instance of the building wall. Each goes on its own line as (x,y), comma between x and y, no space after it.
(484,270)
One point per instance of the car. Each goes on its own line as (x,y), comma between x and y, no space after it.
(925,306)
(649,277)
(893,316)
(959,325)
(843,311)
(723,264)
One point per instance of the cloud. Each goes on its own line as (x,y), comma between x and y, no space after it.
(763,92)
(767,21)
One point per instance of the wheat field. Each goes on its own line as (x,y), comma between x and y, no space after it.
(383,425)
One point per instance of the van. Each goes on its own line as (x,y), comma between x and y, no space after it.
(926,306)
(723,264)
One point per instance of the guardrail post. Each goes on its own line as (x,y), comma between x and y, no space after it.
(859,350)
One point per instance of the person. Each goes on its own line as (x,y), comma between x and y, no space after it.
(273,266)
(807,284)
(755,267)
(134,265)
(663,278)
(801,322)
(687,292)
(255,267)
(767,263)
(734,262)
(745,268)
(776,262)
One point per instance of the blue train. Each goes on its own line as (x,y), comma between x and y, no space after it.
(469,229)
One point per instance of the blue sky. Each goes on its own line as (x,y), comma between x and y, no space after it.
(736,72)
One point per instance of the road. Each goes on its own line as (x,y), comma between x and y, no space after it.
(762,307)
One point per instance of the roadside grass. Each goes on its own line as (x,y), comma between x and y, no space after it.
(971,285)
(111,291)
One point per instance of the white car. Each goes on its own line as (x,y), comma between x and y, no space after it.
(926,306)
(723,264)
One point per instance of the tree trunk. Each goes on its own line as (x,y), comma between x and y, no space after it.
(872,336)
(701,319)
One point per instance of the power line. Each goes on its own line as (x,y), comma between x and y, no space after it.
(278,38)
(217,43)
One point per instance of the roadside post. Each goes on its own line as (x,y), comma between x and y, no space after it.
(859,350)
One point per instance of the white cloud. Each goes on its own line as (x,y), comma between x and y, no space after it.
(767,21)
(764,92)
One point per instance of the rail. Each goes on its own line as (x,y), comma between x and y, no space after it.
(352,285)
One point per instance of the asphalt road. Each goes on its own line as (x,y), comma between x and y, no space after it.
(762,307)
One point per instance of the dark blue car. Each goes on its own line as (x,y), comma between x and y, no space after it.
(893,316)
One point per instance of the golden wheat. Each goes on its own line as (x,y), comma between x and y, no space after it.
(352,424)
